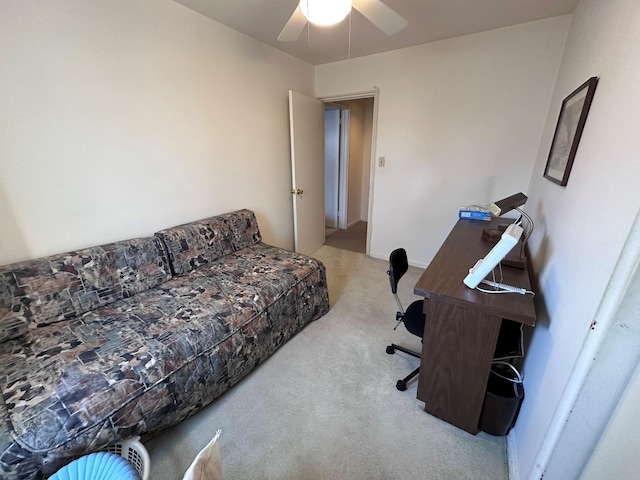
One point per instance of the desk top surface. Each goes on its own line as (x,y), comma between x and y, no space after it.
(442,279)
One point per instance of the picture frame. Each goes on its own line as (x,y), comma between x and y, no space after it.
(573,116)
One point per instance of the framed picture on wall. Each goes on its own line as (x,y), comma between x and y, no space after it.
(573,116)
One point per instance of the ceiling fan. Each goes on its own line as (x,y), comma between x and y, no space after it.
(375,11)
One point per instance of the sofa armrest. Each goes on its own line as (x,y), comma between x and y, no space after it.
(41,291)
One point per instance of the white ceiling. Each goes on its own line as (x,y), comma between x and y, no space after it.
(429,20)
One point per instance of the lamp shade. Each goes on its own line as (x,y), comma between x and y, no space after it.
(507,204)
(325,12)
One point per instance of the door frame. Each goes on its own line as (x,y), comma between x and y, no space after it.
(375,93)
(343,160)
(331,166)
(343,183)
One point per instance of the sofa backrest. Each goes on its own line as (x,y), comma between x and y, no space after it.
(46,290)
(198,243)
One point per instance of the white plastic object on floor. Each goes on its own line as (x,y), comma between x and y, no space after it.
(97,466)
(135,453)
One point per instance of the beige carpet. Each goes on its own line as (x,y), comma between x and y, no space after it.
(353,238)
(325,405)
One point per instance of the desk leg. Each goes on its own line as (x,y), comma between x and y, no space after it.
(457,350)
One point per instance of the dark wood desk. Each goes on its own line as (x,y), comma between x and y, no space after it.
(462,326)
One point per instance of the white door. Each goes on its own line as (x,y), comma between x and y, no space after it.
(331,166)
(306,123)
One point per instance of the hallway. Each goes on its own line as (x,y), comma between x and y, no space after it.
(353,238)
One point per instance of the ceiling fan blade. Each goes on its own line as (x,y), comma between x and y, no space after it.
(294,26)
(380,15)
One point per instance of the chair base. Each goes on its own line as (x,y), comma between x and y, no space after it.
(402,384)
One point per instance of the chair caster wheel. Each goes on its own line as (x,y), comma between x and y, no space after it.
(401,385)
(391,350)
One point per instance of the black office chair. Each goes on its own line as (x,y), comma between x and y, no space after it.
(413,318)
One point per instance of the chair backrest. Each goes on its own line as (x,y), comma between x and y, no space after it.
(398,266)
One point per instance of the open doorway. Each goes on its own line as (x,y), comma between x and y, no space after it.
(348,153)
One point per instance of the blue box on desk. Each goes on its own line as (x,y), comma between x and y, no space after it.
(474,213)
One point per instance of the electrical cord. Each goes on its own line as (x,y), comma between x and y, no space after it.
(484,290)
(498,284)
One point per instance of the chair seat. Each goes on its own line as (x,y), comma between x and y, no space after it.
(414,318)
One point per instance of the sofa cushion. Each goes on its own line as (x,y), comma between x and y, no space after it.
(253,278)
(194,244)
(63,379)
(38,292)
(122,348)
(154,359)
(245,229)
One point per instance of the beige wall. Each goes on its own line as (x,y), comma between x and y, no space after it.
(366,159)
(459,122)
(471,119)
(357,120)
(581,229)
(120,118)
(616,455)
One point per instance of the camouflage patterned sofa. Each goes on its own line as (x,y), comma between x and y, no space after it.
(132,337)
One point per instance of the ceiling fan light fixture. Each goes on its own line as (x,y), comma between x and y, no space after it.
(325,12)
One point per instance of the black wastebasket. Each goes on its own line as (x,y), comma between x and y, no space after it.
(502,400)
